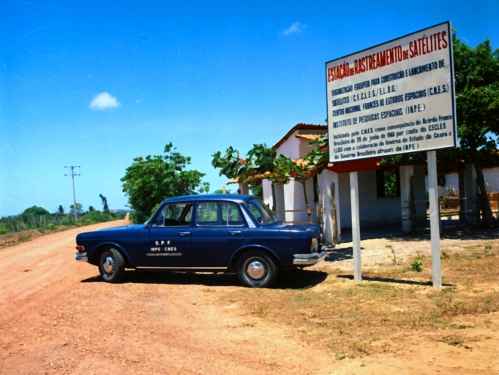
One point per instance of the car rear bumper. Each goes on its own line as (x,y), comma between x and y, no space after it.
(81,256)
(308,259)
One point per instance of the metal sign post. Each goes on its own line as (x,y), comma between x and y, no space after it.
(354,201)
(434,219)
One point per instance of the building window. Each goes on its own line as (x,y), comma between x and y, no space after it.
(388,183)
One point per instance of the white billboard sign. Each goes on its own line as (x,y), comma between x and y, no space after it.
(395,98)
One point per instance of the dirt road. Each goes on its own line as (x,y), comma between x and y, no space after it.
(58,317)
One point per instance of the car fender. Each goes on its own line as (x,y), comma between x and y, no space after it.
(93,258)
(235,256)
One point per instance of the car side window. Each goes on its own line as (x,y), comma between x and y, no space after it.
(174,215)
(218,213)
(231,214)
(206,213)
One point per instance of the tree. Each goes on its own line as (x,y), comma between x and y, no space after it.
(60,210)
(35,210)
(257,190)
(261,163)
(104,204)
(152,179)
(222,191)
(477,106)
(79,209)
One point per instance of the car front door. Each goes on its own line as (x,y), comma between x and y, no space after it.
(166,243)
(220,229)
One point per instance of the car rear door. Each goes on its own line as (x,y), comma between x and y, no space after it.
(219,230)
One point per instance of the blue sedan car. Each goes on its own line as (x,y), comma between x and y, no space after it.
(205,233)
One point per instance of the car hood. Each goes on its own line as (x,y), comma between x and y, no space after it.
(124,231)
(122,228)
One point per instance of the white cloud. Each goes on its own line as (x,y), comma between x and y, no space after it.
(295,28)
(104,101)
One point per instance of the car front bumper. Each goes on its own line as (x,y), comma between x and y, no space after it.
(309,259)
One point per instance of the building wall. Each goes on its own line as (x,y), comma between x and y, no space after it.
(373,210)
(290,196)
(491,176)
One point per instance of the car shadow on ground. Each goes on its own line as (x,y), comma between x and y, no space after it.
(296,279)
(394,281)
(340,254)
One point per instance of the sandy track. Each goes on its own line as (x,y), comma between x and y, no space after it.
(58,317)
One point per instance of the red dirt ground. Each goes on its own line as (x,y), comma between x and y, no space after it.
(58,317)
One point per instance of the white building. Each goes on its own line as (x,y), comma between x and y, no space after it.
(377,206)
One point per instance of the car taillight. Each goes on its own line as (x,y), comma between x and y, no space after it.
(80,248)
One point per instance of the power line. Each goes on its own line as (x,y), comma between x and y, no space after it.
(73,174)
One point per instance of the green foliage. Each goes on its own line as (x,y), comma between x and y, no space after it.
(390,184)
(261,163)
(104,203)
(318,156)
(477,93)
(98,217)
(257,190)
(477,106)
(221,191)
(79,209)
(152,179)
(260,159)
(35,210)
(417,264)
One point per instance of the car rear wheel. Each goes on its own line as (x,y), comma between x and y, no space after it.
(111,265)
(256,269)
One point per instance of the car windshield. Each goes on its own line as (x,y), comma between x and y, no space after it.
(261,212)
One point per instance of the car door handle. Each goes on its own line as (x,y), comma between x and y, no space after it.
(183,234)
(234,232)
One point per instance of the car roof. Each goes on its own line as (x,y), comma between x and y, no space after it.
(210,197)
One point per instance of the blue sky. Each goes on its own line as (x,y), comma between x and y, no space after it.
(97,83)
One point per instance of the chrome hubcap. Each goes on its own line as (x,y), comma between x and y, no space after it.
(108,264)
(256,269)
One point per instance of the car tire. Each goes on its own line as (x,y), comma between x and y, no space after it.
(111,265)
(256,269)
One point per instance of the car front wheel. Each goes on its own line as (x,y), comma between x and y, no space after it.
(111,265)
(256,269)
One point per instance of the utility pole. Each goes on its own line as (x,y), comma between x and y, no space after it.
(75,211)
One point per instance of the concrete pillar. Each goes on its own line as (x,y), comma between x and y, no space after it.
(419,186)
(328,181)
(412,181)
(470,192)
(279,203)
(406,172)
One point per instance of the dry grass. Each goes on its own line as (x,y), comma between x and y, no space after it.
(392,303)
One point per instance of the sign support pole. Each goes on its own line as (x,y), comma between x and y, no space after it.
(354,203)
(434,219)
